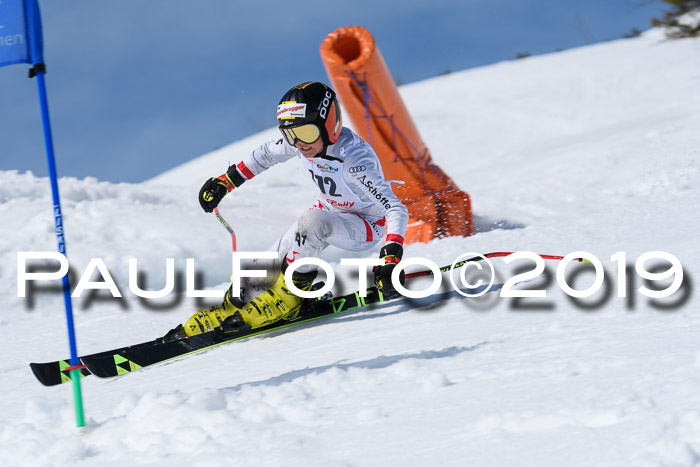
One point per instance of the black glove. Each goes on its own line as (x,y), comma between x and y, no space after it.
(215,189)
(391,253)
(211,194)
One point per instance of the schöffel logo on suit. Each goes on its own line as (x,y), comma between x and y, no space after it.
(374,191)
(357,169)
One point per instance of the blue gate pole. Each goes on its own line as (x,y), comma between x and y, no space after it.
(38,70)
(75,373)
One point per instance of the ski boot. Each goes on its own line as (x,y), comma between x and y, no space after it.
(275,303)
(234,316)
(208,320)
(225,317)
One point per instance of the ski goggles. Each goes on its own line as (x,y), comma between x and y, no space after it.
(308,134)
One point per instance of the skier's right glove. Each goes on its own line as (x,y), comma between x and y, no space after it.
(391,253)
(215,189)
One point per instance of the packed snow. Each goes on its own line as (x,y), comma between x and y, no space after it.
(593,149)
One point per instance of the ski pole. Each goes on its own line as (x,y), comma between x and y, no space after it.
(226,226)
(473,259)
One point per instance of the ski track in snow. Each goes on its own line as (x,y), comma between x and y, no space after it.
(591,149)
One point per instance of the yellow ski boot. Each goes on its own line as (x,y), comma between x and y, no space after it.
(233,316)
(213,318)
(277,302)
(207,320)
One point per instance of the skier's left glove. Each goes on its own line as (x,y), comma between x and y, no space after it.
(215,189)
(391,253)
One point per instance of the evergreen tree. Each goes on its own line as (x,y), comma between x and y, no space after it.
(676,29)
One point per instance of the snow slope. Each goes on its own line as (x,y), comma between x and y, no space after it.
(591,149)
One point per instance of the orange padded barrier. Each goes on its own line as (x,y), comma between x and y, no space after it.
(366,89)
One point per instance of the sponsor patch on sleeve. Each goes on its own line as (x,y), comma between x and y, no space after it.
(291,110)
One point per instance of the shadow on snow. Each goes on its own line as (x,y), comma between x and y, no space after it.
(380,362)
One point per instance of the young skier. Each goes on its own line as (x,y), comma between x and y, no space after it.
(356,206)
